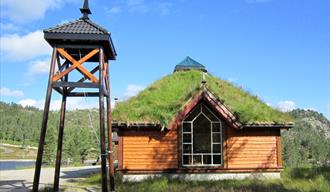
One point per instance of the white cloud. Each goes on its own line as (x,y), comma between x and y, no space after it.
(11,93)
(165,8)
(286,106)
(8,27)
(24,11)
(24,47)
(137,6)
(115,10)
(31,103)
(132,90)
(39,66)
(72,103)
(36,67)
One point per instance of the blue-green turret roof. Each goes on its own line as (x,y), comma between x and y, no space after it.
(188,64)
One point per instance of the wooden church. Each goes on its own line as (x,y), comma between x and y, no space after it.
(192,125)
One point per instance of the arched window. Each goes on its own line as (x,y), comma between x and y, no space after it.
(201,138)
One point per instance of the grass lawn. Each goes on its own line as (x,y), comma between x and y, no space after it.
(10,152)
(293,179)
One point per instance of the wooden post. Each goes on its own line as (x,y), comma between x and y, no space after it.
(59,145)
(102,130)
(60,138)
(109,126)
(44,124)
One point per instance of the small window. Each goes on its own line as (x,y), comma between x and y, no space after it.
(216,127)
(186,138)
(186,127)
(187,160)
(187,148)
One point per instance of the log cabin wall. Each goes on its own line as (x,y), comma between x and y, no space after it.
(255,148)
(149,150)
(248,149)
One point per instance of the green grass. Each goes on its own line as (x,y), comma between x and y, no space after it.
(292,180)
(162,100)
(8,152)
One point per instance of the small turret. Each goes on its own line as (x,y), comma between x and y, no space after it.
(189,64)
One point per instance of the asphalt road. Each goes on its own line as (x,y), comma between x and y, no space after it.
(22,180)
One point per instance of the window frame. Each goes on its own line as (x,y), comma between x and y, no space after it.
(200,107)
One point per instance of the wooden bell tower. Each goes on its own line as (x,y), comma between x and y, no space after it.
(75,43)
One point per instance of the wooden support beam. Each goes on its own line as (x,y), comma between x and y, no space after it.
(102,130)
(58,63)
(59,90)
(59,145)
(60,140)
(106,94)
(75,84)
(61,66)
(106,77)
(109,126)
(77,65)
(82,94)
(83,79)
(44,124)
(60,137)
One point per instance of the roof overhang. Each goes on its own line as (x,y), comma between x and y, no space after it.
(56,39)
(269,125)
(123,126)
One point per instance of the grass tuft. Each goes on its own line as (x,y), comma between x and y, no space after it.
(293,180)
(309,179)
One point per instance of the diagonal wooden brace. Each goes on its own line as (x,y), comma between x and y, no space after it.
(76,65)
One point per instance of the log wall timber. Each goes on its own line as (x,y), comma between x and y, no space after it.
(149,150)
(246,150)
(252,148)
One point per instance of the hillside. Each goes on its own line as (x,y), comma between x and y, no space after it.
(21,126)
(308,142)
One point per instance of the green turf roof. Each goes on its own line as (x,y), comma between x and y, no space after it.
(162,100)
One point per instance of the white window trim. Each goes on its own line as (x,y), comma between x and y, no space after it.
(192,141)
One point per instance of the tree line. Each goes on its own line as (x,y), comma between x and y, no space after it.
(22,125)
(308,143)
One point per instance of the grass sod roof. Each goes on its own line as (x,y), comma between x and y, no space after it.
(162,100)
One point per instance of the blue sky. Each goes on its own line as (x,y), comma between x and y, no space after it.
(276,49)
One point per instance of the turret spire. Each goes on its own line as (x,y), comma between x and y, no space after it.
(85,10)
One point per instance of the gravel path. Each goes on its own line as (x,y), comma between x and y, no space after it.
(21,180)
